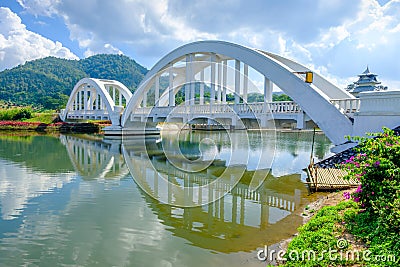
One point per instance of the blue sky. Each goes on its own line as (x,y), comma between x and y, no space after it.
(337,38)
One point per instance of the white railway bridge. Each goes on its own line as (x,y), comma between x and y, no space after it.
(207,72)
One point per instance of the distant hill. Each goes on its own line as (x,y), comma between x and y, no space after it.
(48,82)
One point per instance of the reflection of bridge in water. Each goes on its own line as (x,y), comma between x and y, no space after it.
(240,220)
(229,222)
(153,175)
(94,159)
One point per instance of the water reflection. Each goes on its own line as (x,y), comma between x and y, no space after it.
(94,159)
(89,212)
(230,222)
(28,169)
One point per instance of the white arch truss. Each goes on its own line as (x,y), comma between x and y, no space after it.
(96,99)
(315,99)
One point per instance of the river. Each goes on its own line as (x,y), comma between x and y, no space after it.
(193,199)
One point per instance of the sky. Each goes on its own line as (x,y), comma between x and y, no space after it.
(337,38)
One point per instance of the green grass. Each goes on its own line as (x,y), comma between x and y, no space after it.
(382,241)
(324,232)
(26,114)
(321,236)
(46,118)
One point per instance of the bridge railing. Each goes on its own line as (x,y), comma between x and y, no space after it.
(142,110)
(273,107)
(242,108)
(88,114)
(347,105)
(284,107)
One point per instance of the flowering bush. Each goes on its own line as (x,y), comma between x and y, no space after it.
(377,167)
(17,123)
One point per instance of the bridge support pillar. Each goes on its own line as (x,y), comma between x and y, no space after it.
(268,85)
(157,91)
(212,90)
(116,115)
(201,99)
(237,81)
(219,83)
(267,122)
(234,122)
(188,83)
(300,121)
(145,100)
(224,80)
(171,95)
(245,82)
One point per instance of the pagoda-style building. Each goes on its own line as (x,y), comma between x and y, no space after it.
(366,82)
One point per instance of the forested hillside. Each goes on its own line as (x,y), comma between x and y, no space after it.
(46,83)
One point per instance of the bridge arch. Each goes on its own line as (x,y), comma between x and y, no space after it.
(96,99)
(314,99)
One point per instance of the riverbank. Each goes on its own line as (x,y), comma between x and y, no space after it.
(370,213)
(61,127)
(25,119)
(311,214)
(332,199)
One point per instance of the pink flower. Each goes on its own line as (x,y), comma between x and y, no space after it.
(359,190)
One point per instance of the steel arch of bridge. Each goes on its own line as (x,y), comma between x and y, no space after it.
(96,98)
(315,98)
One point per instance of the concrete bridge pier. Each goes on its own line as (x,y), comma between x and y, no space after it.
(115,115)
(267,122)
(301,120)
(134,128)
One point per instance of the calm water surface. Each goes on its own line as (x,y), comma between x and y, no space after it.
(81,201)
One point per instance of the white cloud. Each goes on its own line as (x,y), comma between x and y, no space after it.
(370,38)
(40,7)
(105,49)
(17,44)
(338,37)
(174,22)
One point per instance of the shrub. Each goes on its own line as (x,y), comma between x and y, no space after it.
(377,167)
(15,114)
(320,235)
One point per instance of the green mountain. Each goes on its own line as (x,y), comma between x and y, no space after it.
(48,82)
